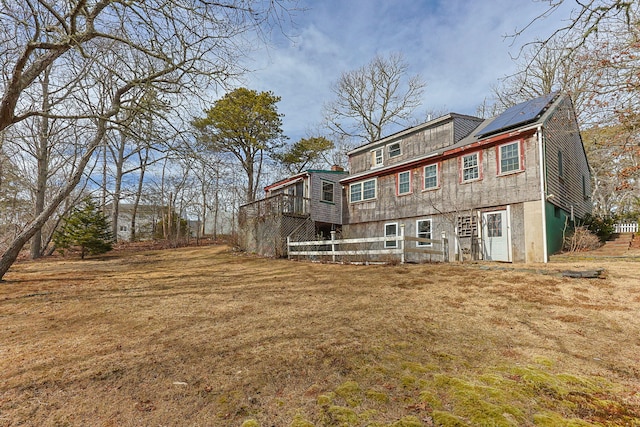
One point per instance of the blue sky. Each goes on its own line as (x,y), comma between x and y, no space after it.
(457,46)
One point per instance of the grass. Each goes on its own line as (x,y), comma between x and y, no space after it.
(208,337)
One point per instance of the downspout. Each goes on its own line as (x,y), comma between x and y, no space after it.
(543,196)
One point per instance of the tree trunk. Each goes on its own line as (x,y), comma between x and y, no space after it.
(258,175)
(136,201)
(1,160)
(104,180)
(118,157)
(42,159)
(216,201)
(203,190)
(250,190)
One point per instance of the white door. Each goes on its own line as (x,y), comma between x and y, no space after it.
(495,236)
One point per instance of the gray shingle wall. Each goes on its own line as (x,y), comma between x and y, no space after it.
(561,134)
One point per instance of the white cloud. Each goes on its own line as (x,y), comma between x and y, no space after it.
(458,46)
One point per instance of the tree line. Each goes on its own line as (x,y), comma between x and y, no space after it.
(97,95)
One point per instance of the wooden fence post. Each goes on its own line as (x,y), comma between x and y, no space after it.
(445,247)
(333,246)
(402,243)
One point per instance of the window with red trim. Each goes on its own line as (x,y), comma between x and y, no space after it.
(509,158)
(470,167)
(404,182)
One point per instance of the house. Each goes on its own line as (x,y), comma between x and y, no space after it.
(146,218)
(307,205)
(502,189)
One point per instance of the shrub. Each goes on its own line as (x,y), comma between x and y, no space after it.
(601,226)
(581,239)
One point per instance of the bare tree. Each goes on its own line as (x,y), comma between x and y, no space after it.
(594,58)
(587,20)
(42,150)
(551,68)
(138,134)
(105,51)
(370,99)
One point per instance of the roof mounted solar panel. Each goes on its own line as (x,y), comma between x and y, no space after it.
(518,115)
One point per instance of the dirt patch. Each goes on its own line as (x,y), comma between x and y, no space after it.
(206,336)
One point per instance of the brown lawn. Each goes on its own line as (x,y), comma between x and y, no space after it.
(207,337)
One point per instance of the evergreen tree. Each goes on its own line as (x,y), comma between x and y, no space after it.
(304,153)
(246,124)
(87,228)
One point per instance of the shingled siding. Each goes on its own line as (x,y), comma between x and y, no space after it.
(453,198)
(452,195)
(563,171)
(322,211)
(415,142)
(464,125)
(561,135)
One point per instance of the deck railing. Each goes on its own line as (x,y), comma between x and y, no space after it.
(276,205)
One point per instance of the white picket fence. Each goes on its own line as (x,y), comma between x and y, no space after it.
(626,227)
(331,248)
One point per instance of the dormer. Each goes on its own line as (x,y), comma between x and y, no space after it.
(413,142)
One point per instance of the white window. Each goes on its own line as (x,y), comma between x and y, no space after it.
(431,176)
(404,182)
(123,228)
(394,149)
(369,190)
(494,225)
(391,230)
(423,231)
(470,167)
(376,157)
(509,157)
(355,192)
(365,190)
(327,191)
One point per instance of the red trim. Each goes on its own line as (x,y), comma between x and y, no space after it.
(461,168)
(478,145)
(284,181)
(520,143)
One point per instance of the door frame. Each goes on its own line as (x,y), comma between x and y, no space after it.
(507,212)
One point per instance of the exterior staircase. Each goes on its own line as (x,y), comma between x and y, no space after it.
(618,244)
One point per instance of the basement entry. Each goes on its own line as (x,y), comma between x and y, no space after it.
(495,236)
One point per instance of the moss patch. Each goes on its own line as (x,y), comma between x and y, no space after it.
(408,422)
(445,419)
(326,399)
(351,393)
(340,416)
(550,419)
(481,404)
(300,421)
(377,396)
